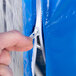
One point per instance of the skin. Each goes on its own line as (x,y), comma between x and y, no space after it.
(11,41)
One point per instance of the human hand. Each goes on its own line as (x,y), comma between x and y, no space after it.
(10,41)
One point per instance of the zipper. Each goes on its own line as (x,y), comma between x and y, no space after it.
(37,32)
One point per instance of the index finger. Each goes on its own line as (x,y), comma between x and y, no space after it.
(12,38)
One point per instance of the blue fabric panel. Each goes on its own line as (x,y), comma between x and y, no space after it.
(59,27)
(29,13)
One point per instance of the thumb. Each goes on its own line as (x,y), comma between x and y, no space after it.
(5,57)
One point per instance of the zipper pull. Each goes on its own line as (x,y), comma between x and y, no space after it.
(35,33)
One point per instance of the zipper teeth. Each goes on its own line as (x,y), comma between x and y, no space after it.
(37,28)
(38,25)
(38,14)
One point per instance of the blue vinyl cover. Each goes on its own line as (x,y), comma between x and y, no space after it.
(29,14)
(59,32)
(59,27)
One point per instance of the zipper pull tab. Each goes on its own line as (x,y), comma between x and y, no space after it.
(35,33)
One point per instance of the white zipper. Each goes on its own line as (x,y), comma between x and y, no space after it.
(37,32)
